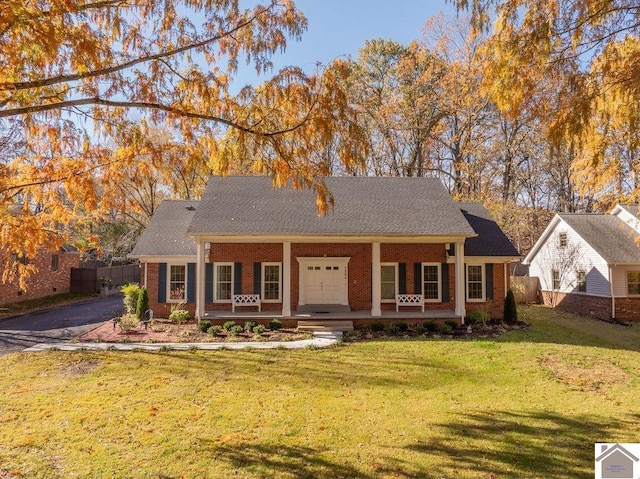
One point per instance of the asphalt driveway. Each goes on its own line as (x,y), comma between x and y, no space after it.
(57,324)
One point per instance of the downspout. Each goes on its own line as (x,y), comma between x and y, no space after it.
(145,275)
(613,298)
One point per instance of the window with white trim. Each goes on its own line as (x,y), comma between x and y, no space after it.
(633,282)
(555,279)
(475,282)
(222,281)
(177,282)
(271,280)
(563,241)
(431,282)
(581,279)
(388,281)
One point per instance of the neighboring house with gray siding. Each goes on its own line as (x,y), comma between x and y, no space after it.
(590,263)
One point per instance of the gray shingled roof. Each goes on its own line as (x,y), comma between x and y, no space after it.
(239,205)
(611,237)
(165,235)
(491,240)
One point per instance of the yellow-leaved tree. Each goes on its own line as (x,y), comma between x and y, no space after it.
(87,82)
(589,50)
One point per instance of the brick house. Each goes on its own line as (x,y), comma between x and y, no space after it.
(53,276)
(388,246)
(590,263)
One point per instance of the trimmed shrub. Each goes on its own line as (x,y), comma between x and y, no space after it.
(377,327)
(446,328)
(217,329)
(237,329)
(228,325)
(452,323)
(128,322)
(477,317)
(275,324)
(249,326)
(259,329)
(204,325)
(178,315)
(131,292)
(398,328)
(510,315)
(430,327)
(143,303)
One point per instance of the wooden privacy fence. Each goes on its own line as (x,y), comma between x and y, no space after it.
(88,280)
(525,289)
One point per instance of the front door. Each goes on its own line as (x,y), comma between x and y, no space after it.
(323,280)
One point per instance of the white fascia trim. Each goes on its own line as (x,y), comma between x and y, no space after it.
(165,259)
(486,259)
(431,239)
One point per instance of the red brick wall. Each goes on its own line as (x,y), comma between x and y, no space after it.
(45,282)
(627,309)
(359,273)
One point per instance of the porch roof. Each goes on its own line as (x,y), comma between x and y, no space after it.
(250,205)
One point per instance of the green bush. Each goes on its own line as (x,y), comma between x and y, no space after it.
(259,329)
(142,304)
(275,324)
(476,317)
(398,328)
(430,327)
(228,325)
(377,327)
(249,326)
(446,329)
(204,325)
(128,322)
(510,315)
(131,292)
(237,329)
(178,315)
(217,329)
(452,323)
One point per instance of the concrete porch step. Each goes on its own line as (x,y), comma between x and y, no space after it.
(323,308)
(325,326)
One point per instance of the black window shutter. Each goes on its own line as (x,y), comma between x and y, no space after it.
(488,280)
(237,278)
(208,283)
(257,278)
(191,282)
(417,278)
(444,271)
(402,278)
(162,282)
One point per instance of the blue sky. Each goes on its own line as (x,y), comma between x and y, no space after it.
(340,27)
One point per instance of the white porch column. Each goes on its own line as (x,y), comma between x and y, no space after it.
(460,294)
(200,281)
(286,278)
(376,293)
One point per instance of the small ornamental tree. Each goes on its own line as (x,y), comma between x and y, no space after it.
(143,303)
(510,315)
(131,293)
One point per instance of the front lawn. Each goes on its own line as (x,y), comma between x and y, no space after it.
(528,404)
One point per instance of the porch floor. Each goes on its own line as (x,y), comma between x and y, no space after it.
(352,315)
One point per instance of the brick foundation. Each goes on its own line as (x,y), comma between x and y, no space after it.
(627,309)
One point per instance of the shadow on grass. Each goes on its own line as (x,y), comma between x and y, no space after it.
(534,444)
(278,460)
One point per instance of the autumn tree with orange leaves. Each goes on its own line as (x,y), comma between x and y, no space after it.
(87,83)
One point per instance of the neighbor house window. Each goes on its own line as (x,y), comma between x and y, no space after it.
(555,279)
(177,282)
(389,281)
(431,281)
(562,240)
(16,258)
(633,282)
(223,281)
(271,280)
(55,260)
(581,278)
(475,285)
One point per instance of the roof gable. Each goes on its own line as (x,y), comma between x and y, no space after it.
(393,206)
(165,235)
(491,240)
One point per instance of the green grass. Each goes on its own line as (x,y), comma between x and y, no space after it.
(529,404)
